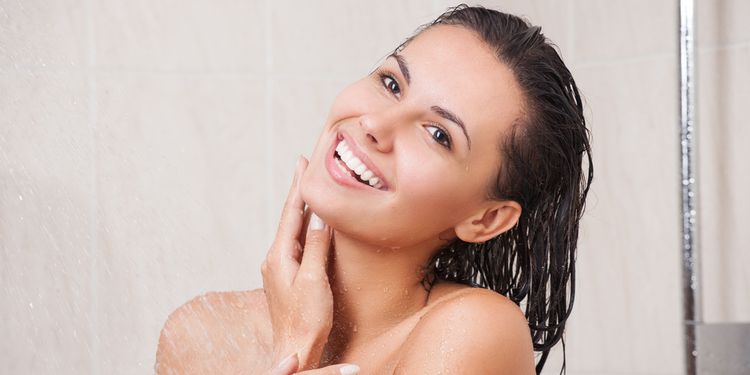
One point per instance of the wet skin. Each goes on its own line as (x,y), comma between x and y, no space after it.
(435,174)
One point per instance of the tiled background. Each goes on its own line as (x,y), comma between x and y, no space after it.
(146,146)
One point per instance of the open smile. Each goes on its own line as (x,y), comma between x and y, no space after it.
(348,165)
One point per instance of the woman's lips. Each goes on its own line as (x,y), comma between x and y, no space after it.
(340,170)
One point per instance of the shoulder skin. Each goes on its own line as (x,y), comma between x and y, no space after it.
(476,332)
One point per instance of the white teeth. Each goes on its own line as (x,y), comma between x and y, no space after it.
(342,167)
(360,169)
(356,165)
(353,163)
(342,147)
(346,156)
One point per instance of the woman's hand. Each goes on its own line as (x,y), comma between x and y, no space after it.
(290,364)
(296,285)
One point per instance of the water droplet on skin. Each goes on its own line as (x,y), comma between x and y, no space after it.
(354,328)
(238,303)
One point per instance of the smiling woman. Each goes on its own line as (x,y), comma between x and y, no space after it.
(445,190)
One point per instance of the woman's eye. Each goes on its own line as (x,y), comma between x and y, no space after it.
(390,83)
(440,136)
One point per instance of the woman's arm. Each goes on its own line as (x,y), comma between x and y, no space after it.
(297,308)
(226,333)
(216,333)
(477,332)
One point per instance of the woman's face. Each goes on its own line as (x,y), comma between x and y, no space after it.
(426,131)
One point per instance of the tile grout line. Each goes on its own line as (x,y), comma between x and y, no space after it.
(723,47)
(292,75)
(622,60)
(269,122)
(93,216)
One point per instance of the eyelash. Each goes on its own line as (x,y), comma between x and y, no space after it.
(382,76)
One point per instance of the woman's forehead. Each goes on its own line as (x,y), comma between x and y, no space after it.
(452,66)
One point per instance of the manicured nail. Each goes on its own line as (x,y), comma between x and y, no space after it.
(316,223)
(349,370)
(287,361)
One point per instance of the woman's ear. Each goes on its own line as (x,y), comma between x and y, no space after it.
(492,219)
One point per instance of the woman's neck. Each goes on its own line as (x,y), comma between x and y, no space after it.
(374,288)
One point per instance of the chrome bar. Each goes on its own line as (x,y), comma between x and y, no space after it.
(690,266)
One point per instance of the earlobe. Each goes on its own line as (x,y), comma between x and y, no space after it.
(495,218)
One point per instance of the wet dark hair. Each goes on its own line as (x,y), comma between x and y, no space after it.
(542,169)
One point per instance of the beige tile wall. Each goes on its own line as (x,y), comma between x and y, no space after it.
(146,147)
(723,96)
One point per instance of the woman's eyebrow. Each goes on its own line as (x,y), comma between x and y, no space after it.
(442,112)
(403,66)
(450,116)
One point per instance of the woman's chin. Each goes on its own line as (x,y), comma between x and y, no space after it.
(339,215)
(378,229)
(322,202)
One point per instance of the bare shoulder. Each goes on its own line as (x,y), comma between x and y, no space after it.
(218,332)
(471,331)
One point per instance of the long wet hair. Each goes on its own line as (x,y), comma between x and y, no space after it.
(533,264)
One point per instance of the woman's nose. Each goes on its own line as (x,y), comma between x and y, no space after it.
(380,128)
(378,134)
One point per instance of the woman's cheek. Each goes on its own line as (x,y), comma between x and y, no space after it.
(431,193)
(353,101)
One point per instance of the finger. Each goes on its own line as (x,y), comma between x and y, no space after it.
(305,224)
(341,369)
(317,248)
(291,216)
(287,367)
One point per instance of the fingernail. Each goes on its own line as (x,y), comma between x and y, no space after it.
(316,223)
(299,161)
(349,370)
(287,361)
